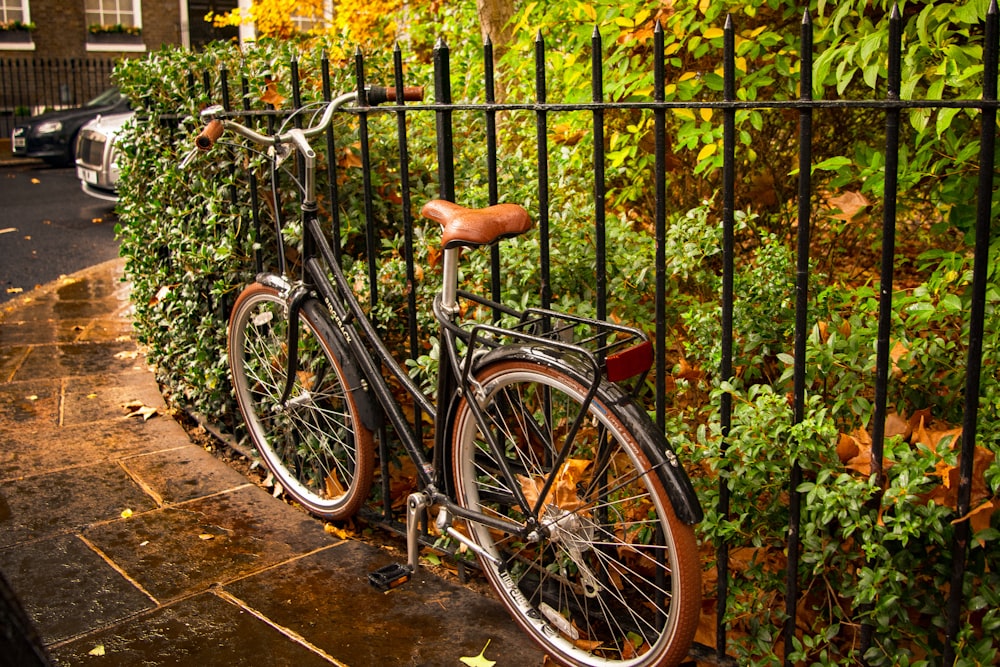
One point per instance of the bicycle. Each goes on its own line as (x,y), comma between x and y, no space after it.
(542,463)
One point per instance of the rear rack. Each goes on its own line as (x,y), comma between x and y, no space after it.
(616,351)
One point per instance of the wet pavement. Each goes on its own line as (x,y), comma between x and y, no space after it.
(127,544)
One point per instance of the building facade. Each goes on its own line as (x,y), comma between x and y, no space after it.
(105,28)
(60,53)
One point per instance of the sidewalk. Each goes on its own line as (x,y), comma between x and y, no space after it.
(127,544)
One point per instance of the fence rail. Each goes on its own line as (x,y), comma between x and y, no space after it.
(29,86)
(889,108)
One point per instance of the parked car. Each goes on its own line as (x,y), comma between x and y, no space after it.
(97,155)
(51,136)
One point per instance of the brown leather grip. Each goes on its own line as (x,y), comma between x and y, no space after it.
(410,94)
(379,94)
(206,139)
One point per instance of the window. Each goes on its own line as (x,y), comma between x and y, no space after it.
(113,12)
(317,16)
(114,25)
(14,10)
(15,26)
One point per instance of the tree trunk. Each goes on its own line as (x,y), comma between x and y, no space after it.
(494,21)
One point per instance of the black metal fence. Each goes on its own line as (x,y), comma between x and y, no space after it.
(29,86)
(890,109)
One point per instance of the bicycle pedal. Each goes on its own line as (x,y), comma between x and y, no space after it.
(389,577)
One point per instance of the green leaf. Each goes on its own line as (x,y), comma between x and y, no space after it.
(833,164)
(951,302)
(944,119)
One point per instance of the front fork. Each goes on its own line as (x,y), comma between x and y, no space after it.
(294,302)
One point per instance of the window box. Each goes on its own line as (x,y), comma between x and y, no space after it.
(15,34)
(113,38)
(15,37)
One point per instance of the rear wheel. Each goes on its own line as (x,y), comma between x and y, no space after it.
(612,576)
(314,442)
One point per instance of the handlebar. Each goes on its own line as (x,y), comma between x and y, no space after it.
(216,126)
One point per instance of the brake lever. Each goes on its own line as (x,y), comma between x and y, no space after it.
(279,153)
(212,112)
(188,158)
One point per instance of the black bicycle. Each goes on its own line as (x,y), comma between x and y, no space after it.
(542,464)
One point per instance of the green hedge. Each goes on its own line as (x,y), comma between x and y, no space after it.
(188,236)
(189,247)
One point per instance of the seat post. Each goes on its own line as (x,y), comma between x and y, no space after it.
(449,286)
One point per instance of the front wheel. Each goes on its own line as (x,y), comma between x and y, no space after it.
(611,576)
(314,442)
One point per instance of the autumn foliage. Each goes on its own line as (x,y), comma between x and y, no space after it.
(876,548)
(355,21)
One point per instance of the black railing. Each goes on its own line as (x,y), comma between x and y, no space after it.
(29,86)
(891,107)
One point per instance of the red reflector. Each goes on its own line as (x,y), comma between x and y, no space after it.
(629,363)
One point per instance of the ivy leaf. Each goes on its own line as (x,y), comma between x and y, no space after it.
(479,660)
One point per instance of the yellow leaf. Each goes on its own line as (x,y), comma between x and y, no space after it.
(684,113)
(687,75)
(126,514)
(35,181)
(479,660)
(334,530)
(206,536)
(708,150)
(712,33)
(97,650)
(706,114)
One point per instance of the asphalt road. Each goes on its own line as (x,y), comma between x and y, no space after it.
(49,227)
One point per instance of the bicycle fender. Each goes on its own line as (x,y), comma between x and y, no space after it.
(667,466)
(371,414)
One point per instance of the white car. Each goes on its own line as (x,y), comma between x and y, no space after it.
(96,155)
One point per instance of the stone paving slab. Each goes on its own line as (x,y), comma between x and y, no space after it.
(24,452)
(183,549)
(127,544)
(67,500)
(427,621)
(68,588)
(201,631)
(180,474)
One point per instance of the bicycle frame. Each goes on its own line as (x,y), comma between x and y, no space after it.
(358,342)
(358,335)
